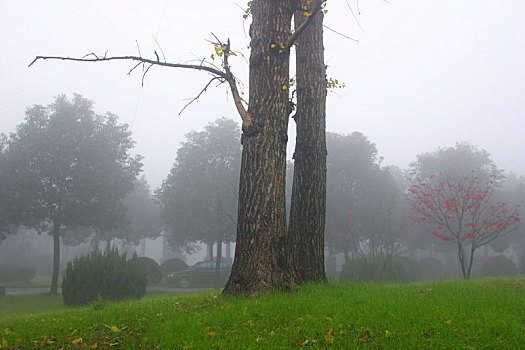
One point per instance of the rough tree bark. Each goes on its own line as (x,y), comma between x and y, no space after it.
(261,262)
(308,208)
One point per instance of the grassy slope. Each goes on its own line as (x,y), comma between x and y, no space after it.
(451,314)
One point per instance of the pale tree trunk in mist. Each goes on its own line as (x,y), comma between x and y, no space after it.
(56,256)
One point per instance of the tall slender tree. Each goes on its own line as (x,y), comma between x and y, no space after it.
(198,199)
(308,208)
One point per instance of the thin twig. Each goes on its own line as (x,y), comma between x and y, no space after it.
(145,72)
(132,69)
(138,48)
(160,48)
(91,54)
(196,98)
(353,15)
(341,34)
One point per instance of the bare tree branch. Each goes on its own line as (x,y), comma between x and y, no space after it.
(133,58)
(226,74)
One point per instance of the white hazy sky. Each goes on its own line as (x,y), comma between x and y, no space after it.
(423,74)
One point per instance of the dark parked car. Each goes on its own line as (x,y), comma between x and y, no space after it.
(202,274)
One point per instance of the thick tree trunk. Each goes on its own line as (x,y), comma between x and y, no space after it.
(56,257)
(308,209)
(261,254)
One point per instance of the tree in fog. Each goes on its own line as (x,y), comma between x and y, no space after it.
(198,199)
(4,196)
(140,218)
(512,192)
(452,195)
(65,166)
(357,190)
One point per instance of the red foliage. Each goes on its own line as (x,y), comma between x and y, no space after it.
(461,210)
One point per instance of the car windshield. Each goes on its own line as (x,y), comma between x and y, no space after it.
(208,265)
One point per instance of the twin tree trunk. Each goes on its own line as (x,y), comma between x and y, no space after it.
(267,257)
(308,209)
(261,252)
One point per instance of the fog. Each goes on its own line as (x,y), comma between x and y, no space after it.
(422,74)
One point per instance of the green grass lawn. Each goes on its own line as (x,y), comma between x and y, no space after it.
(477,314)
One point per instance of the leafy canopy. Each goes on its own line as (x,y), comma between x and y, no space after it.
(198,199)
(66,166)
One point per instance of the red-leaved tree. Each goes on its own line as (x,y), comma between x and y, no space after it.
(462,211)
(375,232)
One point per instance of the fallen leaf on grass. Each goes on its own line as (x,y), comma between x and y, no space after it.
(329,336)
(114,329)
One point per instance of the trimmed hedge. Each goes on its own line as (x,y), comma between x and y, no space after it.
(381,268)
(172,265)
(102,275)
(150,268)
(431,268)
(497,266)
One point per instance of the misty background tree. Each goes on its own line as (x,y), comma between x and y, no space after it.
(4,196)
(198,199)
(512,192)
(140,218)
(64,165)
(355,182)
(453,196)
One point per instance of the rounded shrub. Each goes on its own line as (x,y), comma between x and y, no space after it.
(150,268)
(498,265)
(431,268)
(380,268)
(173,265)
(102,275)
